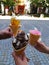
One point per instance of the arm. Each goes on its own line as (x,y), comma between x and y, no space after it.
(42,47)
(6,33)
(20,60)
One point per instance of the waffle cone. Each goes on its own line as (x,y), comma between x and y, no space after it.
(19,51)
(14,25)
(33,39)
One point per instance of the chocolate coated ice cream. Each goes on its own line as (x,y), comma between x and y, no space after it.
(21,40)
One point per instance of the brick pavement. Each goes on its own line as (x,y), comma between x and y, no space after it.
(36,57)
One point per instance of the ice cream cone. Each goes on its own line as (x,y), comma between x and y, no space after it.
(20,42)
(34,36)
(15,25)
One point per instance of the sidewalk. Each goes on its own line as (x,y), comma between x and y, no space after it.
(36,57)
(25,17)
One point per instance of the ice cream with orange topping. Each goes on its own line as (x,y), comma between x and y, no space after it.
(15,24)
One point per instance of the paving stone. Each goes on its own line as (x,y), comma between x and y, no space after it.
(36,57)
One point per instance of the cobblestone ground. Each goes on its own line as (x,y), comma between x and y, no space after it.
(36,57)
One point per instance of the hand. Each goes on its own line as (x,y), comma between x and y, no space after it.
(6,33)
(20,60)
(40,46)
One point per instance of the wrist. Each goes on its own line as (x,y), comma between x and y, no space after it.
(48,50)
(1,34)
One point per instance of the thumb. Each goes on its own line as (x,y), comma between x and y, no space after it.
(9,29)
(14,55)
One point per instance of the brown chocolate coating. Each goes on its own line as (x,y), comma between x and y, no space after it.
(21,40)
